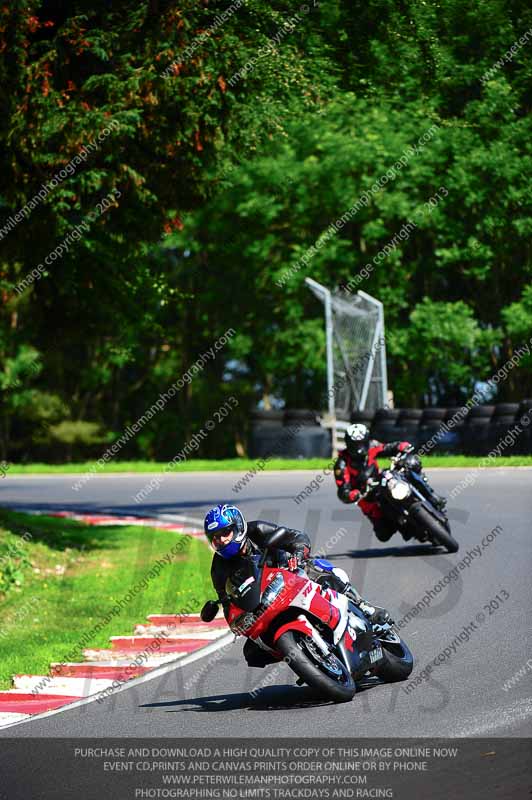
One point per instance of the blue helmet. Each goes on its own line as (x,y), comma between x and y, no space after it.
(222,520)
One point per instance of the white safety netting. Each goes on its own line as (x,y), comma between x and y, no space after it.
(358,351)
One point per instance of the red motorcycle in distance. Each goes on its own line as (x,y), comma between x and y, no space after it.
(321,634)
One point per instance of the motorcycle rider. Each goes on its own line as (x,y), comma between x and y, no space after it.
(233,538)
(357,464)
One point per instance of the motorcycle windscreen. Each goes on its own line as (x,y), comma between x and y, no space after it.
(243,585)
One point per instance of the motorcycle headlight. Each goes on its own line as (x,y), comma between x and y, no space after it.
(272,591)
(400,490)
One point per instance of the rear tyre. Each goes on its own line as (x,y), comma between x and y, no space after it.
(398,660)
(307,661)
(436,531)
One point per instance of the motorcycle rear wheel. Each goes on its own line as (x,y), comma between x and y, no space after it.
(398,661)
(309,664)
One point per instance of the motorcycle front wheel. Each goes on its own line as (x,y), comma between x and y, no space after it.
(327,674)
(436,531)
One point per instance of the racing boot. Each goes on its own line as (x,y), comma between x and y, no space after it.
(406,534)
(437,499)
(376,615)
(339,581)
(440,502)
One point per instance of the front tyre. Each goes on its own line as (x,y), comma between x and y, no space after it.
(435,530)
(326,674)
(398,661)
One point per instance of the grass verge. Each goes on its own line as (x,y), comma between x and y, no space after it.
(244,464)
(69,576)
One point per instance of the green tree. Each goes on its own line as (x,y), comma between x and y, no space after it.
(229,148)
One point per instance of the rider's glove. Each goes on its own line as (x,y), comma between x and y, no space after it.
(299,558)
(406,447)
(348,495)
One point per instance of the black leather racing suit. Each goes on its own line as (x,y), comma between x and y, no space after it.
(294,542)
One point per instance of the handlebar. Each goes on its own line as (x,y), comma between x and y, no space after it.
(399,457)
(370,487)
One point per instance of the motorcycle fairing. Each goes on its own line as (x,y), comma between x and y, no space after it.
(299,594)
(300,624)
(327,605)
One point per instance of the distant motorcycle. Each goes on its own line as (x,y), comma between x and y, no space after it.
(406,497)
(320,633)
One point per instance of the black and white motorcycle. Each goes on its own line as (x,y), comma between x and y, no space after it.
(406,497)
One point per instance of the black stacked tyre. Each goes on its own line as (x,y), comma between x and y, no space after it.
(384,424)
(430,431)
(476,431)
(266,432)
(298,417)
(304,436)
(453,439)
(262,417)
(502,422)
(524,420)
(408,424)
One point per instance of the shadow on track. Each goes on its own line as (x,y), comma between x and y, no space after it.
(397,552)
(271,698)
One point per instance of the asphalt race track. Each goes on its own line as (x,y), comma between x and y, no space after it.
(464,696)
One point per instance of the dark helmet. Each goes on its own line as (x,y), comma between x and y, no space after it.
(357,442)
(413,462)
(222,520)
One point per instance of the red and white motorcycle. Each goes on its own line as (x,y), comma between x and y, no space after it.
(320,633)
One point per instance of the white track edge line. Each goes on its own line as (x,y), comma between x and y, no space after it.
(153,673)
(176,517)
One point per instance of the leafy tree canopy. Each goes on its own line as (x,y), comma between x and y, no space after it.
(200,149)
